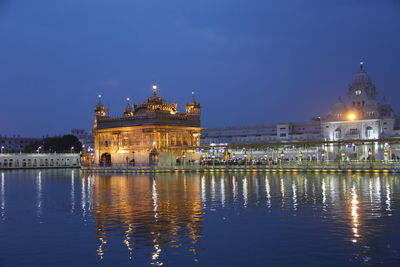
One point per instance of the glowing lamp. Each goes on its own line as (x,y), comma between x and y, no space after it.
(351,116)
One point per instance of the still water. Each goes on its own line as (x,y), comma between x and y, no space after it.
(64,218)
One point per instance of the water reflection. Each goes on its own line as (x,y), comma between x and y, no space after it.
(167,211)
(147,211)
(151,217)
(39,193)
(2,197)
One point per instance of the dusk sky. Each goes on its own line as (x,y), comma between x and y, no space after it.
(249,62)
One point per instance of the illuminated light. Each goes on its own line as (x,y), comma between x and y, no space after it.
(100,96)
(128,99)
(154,87)
(351,116)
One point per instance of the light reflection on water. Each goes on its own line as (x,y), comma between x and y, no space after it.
(156,219)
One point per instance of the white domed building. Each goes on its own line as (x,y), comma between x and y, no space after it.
(363,117)
(362,123)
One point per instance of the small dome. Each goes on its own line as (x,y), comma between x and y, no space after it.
(339,108)
(385,110)
(155,103)
(361,77)
(100,108)
(193,103)
(128,110)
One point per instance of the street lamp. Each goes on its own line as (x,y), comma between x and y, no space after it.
(369,153)
(385,155)
(370,157)
(281,158)
(2,148)
(72,148)
(343,155)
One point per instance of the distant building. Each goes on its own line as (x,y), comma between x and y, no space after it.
(85,137)
(362,117)
(39,160)
(262,133)
(151,133)
(15,143)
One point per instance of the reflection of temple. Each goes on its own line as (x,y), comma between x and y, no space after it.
(157,213)
(152,133)
(147,212)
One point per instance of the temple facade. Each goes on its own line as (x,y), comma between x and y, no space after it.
(153,133)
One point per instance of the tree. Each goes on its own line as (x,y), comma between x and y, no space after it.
(64,144)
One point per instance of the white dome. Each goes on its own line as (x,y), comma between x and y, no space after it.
(339,108)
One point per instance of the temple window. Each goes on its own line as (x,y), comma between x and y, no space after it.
(369,132)
(338,133)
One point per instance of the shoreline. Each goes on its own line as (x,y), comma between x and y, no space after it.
(236,169)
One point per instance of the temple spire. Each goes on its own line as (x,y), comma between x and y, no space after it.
(155,89)
(361,66)
(193,97)
(128,109)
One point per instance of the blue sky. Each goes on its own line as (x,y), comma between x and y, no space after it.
(249,62)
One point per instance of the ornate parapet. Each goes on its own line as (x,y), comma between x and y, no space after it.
(154,118)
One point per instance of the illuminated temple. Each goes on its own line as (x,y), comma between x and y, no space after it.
(151,133)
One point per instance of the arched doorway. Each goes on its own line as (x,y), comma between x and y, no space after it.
(153,157)
(105,160)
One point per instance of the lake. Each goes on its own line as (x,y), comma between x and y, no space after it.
(65,218)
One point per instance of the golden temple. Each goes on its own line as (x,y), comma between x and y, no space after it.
(153,133)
